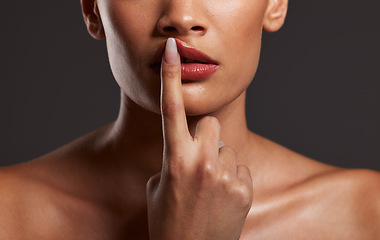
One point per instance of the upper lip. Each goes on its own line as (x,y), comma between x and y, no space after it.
(186,52)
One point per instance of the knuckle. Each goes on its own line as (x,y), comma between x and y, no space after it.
(212,122)
(170,108)
(206,169)
(226,178)
(243,195)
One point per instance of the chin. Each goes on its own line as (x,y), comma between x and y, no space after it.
(203,106)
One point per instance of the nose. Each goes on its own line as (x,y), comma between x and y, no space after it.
(182,17)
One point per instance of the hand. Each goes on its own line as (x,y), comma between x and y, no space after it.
(201,193)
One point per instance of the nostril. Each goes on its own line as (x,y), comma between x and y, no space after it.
(197,28)
(170,29)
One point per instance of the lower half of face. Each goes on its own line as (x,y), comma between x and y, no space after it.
(230,34)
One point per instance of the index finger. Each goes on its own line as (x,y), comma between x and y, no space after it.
(174,124)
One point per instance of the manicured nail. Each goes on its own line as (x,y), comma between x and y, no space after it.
(171,54)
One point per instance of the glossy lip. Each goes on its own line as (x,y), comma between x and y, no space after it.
(199,67)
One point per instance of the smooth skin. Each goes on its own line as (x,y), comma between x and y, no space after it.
(158,168)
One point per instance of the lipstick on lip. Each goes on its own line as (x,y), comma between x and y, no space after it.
(195,64)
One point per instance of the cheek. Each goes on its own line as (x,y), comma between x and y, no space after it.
(125,16)
(127,26)
(245,32)
(241,36)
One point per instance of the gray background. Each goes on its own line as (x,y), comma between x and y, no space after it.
(316,90)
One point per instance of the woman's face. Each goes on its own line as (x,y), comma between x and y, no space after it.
(227,31)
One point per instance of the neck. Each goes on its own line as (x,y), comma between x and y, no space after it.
(136,136)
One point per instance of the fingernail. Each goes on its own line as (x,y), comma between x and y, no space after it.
(171,54)
(221,144)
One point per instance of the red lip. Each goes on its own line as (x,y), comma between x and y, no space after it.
(194,63)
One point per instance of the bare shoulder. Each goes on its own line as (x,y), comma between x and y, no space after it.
(331,203)
(359,179)
(26,204)
(358,184)
(35,203)
(349,200)
(363,185)
(33,207)
(15,210)
(49,197)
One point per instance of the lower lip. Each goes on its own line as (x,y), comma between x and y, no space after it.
(197,71)
(193,71)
